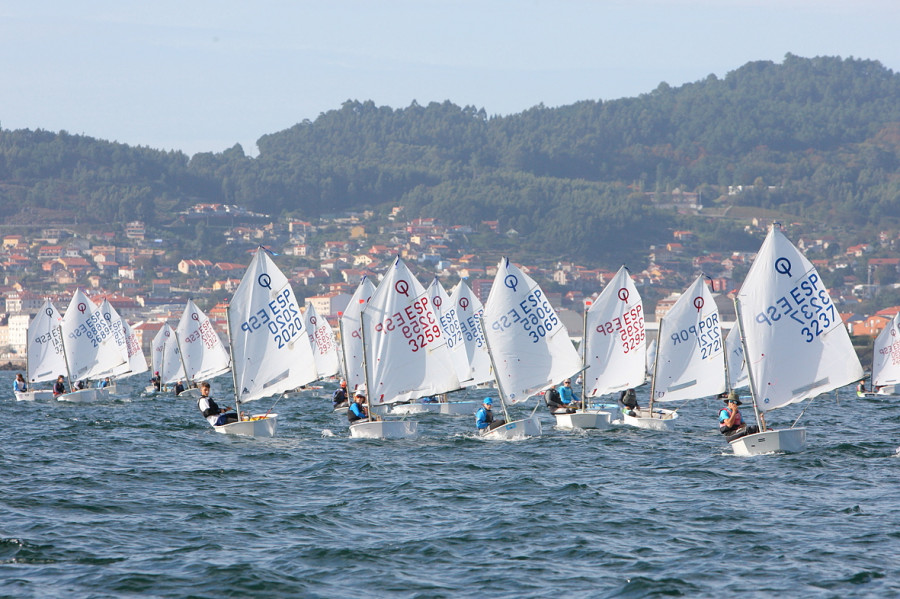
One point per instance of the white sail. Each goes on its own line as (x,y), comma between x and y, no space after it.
(351,337)
(795,342)
(615,338)
(46,360)
(529,343)
(448,320)
(202,351)
(469,310)
(89,340)
(111,316)
(157,347)
(137,363)
(651,357)
(267,333)
(737,366)
(886,355)
(406,353)
(323,343)
(172,369)
(690,357)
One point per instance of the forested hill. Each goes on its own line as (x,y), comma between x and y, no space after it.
(818,138)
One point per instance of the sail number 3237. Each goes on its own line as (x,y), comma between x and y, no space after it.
(807,304)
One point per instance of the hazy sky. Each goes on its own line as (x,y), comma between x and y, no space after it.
(200,76)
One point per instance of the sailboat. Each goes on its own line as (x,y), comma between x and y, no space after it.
(201,352)
(323,343)
(161,364)
(528,345)
(351,336)
(795,342)
(45,358)
(90,347)
(270,352)
(172,367)
(469,310)
(614,349)
(405,354)
(886,359)
(690,357)
(137,363)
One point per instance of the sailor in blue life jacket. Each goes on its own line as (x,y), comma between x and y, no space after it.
(357,410)
(102,384)
(731,423)
(179,388)
(567,396)
(340,398)
(215,415)
(19,384)
(484,417)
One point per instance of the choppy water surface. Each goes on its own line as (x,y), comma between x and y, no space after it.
(140,497)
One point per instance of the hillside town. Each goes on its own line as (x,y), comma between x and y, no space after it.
(148,282)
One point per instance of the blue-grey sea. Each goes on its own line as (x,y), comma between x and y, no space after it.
(139,497)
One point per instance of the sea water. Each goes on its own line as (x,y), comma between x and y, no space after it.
(139,497)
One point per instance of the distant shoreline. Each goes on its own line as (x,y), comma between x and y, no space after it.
(12,366)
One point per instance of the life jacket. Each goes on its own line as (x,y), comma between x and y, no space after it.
(724,415)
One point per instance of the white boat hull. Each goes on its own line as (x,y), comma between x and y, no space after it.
(190,394)
(788,440)
(584,420)
(385,429)
(262,426)
(887,390)
(517,429)
(660,420)
(453,408)
(38,395)
(84,395)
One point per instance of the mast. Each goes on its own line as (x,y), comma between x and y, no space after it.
(362,332)
(728,388)
(181,357)
(237,393)
(343,349)
(65,357)
(584,356)
(500,393)
(753,392)
(655,365)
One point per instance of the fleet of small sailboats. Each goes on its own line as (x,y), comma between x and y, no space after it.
(402,342)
